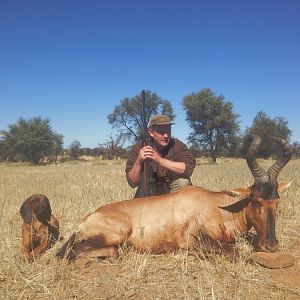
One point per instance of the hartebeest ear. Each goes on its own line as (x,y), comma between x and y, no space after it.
(236,206)
(232,193)
(26,211)
(239,192)
(283,186)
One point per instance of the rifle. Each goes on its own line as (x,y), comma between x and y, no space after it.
(145,187)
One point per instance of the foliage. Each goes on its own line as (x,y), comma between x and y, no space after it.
(87,151)
(127,117)
(234,146)
(75,150)
(232,150)
(266,127)
(213,122)
(296,148)
(57,147)
(2,151)
(112,147)
(28,140)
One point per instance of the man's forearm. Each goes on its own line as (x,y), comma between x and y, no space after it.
(135,173)
(177,167)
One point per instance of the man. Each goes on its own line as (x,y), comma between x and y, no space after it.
(171,163)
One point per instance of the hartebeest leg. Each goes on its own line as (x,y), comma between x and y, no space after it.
(212,247)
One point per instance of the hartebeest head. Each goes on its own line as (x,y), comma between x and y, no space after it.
(264,196)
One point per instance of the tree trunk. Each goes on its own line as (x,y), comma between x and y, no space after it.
(213,158)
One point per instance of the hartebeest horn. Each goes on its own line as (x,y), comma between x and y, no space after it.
(275,169)
(257,171)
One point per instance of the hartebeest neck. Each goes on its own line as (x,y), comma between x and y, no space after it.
(235,221)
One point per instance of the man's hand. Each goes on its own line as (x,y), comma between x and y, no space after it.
(148,152)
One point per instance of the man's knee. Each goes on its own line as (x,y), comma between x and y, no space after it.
(179,183)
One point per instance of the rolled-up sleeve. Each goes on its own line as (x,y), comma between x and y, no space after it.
(183,154)
(132,156)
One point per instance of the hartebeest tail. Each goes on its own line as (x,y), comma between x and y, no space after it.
(177,220)
(68,246)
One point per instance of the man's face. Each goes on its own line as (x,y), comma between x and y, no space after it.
(161,134)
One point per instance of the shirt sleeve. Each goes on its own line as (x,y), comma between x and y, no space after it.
(132,156)
(183,154)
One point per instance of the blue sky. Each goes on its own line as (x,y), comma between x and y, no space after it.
(73,61)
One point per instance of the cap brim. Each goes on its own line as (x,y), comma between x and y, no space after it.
(159,124)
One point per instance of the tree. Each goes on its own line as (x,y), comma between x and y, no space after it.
(127,117)
(234,146)
(28,140)
(2,151)
(57,145)
(213,122)
(265,127)
(296,148)
(112,147)
(74,150)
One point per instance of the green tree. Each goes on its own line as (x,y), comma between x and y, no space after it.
(57,146)
(265,127)
(74,150)
(213,122)
(127,117)
(28,140)
(234,145)
(296,148)
(2,152)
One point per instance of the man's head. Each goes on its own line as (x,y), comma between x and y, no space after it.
(160,130)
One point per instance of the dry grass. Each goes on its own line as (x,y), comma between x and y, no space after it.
(78,188)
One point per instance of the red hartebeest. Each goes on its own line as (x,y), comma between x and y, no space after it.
(177,220)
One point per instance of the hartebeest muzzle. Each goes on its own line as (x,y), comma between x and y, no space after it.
(267,239)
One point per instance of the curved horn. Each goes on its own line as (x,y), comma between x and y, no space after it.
(281,162)
(257,171)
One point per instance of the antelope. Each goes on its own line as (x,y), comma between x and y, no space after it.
(181,219)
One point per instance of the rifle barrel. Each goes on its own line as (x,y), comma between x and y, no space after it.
(147,188)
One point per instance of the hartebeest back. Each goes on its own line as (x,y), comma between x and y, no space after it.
(177,220)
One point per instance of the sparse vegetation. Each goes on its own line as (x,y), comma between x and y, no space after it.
(77,189)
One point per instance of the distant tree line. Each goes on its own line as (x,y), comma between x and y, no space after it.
(215,131)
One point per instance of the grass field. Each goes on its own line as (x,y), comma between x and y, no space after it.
(78,188)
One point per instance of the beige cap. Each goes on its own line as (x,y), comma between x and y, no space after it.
(160,120)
